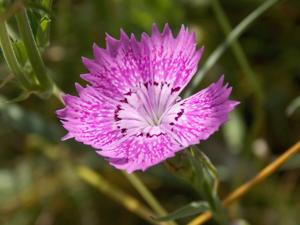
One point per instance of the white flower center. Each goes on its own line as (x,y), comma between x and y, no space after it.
(142,110)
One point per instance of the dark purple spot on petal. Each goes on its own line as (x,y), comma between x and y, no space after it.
(118,108)
(117,118)
(175,89)
(124,100)
(128,93)
(140,135)
(179,114)
(148,135)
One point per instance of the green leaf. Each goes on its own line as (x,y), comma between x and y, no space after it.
(198,171)
(203,166)
(47,3)
(20,52)
(188,210)
(43,32)
(207,180)
(208,165)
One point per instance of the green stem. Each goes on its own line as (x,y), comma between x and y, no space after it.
(113,192)
(147,195)
(33,53)
(237,49)
(11,58)
(250,74)
(57,93)
(234,35)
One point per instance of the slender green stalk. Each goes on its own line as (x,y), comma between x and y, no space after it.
(147,195)
(113,192)
(57,93)
(237,49)
(33,53)
(250,74)
(234,35)
(11,58)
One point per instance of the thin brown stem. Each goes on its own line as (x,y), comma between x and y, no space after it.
(246,187)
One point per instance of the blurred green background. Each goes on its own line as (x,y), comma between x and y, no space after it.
(38,182)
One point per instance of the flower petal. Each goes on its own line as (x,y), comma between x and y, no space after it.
(117,69)
(173,60)
(159,58)
(140,152)
(89,118)
(199,116)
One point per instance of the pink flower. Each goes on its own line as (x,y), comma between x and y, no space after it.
(131,112)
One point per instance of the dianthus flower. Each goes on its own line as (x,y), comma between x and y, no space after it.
(131,112)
